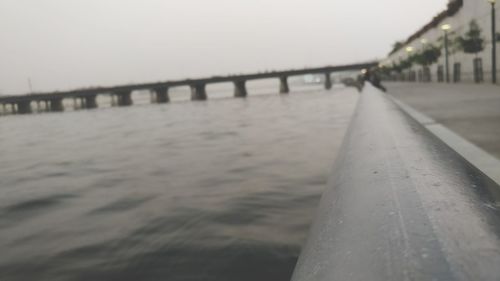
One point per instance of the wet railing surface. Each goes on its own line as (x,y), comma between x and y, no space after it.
(402,205)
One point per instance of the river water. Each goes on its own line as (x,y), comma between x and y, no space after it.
(219,190)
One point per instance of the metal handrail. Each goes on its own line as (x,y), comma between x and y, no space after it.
(402,205)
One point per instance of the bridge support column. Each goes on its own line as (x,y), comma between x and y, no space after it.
(112,99)
(240,89)
(124,98)
(284,89)
(75,103)
(161,94)
(328,81)
(56,104)
(24,107)
(89,101)
(198,92)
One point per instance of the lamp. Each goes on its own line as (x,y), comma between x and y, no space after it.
(445,28)
(493,43)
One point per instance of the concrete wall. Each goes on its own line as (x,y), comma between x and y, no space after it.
(479,10)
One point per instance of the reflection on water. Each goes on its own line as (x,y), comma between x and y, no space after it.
(216,190)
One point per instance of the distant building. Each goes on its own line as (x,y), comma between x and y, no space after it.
(463,67)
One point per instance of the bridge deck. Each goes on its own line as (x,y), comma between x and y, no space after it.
(188,82)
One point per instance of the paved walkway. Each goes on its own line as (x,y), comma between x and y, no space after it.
(472,111)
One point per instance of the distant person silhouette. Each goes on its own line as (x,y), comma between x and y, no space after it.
(374,78)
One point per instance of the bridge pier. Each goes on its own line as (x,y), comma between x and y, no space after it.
(161,94)
(89,102)
(198,92)
(328,81)
(56,104)
(75,103)
(240,89)
(112,99)
(124,98)
(24,107)
(284,89)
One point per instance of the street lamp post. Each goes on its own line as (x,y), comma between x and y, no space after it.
(425,74)
(409,50)
(493,43)
(445,28)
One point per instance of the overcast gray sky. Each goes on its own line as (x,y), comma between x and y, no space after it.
(64,44)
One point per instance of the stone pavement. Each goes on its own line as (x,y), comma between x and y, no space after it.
(472,111)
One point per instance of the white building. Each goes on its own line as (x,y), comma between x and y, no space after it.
(462,67)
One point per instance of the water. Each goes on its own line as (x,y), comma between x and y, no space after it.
(218,190)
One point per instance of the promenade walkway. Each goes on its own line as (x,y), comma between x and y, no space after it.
(472,111)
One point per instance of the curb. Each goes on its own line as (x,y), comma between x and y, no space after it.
(481,159)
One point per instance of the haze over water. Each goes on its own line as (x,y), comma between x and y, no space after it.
(218,190)
(62,45)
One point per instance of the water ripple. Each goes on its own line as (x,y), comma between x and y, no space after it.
(217,190)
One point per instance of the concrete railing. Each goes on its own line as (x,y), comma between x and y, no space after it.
(402,205)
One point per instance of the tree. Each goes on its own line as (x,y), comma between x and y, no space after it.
(428,56)
(396,46)
(453,42)
(419,58)
(407,63)
(472,42)
(396,67)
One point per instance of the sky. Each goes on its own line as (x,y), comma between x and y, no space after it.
(67,44)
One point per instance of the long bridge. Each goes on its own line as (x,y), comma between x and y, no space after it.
(122,95)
